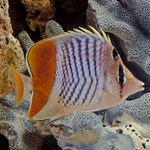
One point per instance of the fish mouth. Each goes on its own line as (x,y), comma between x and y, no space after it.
(141,85)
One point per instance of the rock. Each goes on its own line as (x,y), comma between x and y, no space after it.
(39,13)
(10,51)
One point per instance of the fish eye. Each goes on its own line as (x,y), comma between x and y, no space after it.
(115,54)
(121,78)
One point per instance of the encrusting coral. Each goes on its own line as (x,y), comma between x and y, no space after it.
(132,118)
(84,131)
(11,52)
(39,13)
(12,125)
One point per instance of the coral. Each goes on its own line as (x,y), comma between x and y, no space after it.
(12,125)
(10,51)
(132,118)
(40,127)
(128,20)
(84,131)
(39,13)
(52,29)
(138,108)
(140,142)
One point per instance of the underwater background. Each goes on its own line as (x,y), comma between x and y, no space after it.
(126,126)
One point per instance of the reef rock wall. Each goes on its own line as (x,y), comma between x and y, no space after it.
(11,52)
(39,13)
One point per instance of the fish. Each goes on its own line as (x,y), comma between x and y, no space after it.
(77,71)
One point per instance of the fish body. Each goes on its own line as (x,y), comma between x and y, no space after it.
(74,72)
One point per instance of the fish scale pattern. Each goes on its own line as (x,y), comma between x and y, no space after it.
(80,69)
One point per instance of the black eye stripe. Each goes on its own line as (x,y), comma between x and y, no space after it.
(115,54)
(121,75)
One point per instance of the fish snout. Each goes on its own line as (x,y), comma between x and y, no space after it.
(139,85)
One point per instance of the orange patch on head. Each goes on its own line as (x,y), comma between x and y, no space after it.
(42,62)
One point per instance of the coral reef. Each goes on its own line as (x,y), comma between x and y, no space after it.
(12,125)
(10,51)
(128,20)
(84,131)
(138,108)
(125,126)
(39,13)
(132,118)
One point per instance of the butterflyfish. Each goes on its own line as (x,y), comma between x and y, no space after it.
(78,71)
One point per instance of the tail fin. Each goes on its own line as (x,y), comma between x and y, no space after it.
(22,85)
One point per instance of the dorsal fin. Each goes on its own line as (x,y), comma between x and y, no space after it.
(104,35)
(95,31)
(79,31)
(86,31)
(83,31)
